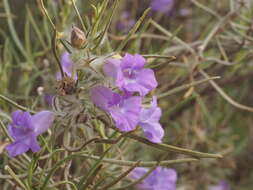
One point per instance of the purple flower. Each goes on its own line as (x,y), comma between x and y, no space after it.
(130,75)
(24,130)
(149,121)
(159,179)
(49,99)
(125,22)
(164,6)
(67,66)
(221,186)
(125,110)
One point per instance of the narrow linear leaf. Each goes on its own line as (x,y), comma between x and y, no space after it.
(133,31)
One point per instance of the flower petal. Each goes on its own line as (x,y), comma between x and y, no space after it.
(132,61)
(126,116)
(170,174)
(159,179)
(152,114)
(17,148)
(102,97)
(34,146)
(42,121)
(144,82)
(149,121)
(16,115)
(67,66)
(49,99)
(162,5)
(146,78)
(112,67)
(21,125)
(153,131)
(138,172)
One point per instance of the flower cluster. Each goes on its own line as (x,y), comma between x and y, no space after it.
(159,179)
(130,76)
(24,130)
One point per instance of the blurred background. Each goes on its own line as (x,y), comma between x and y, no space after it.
(207,37)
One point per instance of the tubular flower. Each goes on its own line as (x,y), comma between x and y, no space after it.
(24,130)
(124,109)
(67,66)
(159,179)
(149,121)
(130,75)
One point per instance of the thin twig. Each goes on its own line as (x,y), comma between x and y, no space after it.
(205,8)
(47,15)
(79,16)
(54,48)
(142,163)
(224,95)
(186,86)
(120,177)
(16,104)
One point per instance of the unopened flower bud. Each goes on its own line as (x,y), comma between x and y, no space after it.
(78,38)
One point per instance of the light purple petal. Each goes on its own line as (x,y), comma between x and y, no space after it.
(25,128)
(17,148)
(25,120)
(146,78)
(67,66)
(112,67)
(11,132)
(162,5)
(138,172)
(102,96)
(34,146)
(42,121)
(152,114)
(169,174)
(132,61)
(129,75)
(153,131)
(149,121)
(16,115)
(23,145)
(143,82)
(66,63)
(121,121)
(58,76)
(126,115)
(159,179)
(31,142)
(21,125)
(49,99)
(125,110)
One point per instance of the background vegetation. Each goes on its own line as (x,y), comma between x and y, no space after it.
(208,39)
